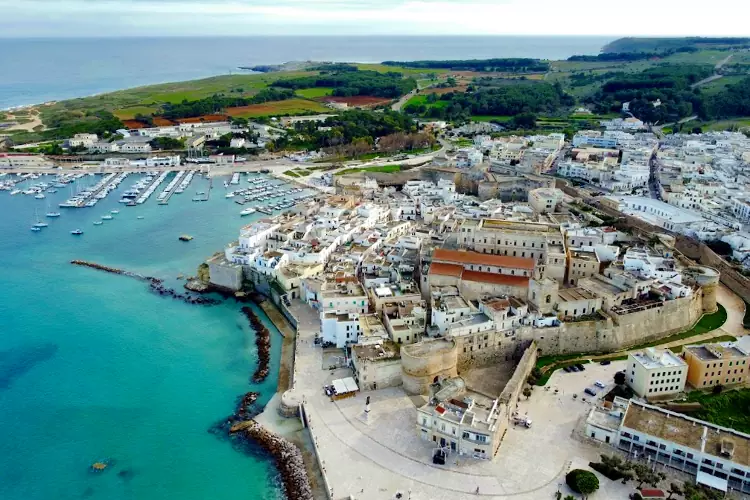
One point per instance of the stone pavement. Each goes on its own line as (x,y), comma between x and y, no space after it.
(379,458)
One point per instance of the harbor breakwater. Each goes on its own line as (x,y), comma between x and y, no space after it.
(287,456)
(262,342)
(156,285)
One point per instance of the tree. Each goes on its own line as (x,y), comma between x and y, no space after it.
(717,389)
(582,481)
(674,489)
(525,121)
(527,392)
(645,475)
(569,497)
(620,378)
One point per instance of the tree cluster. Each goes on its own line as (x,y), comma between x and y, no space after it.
(354,82)
(501,101)
(734,101)
(167,143)
(65,124)
(670,85)
(510,65)
(217,103)
(350,127)
(630,56)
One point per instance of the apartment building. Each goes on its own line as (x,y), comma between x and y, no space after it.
(376,366)
(710,365)
(467,426)
(545,200)
(656,373)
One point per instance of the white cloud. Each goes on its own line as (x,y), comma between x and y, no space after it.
(346,17)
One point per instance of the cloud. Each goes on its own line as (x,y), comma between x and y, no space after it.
(347,17)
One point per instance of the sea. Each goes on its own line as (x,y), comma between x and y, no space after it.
(94,367)
(41,70)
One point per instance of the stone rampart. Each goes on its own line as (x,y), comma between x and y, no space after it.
(421,363)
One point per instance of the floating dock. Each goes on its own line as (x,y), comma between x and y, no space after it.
(150,190)
(170,189)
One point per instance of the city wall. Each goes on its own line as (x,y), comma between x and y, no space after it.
(613,333)
(421,363)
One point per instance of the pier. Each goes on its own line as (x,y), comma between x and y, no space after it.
(170,189)
(90,197)
(150,190)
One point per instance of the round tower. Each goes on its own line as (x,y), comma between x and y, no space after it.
(425,362)
(708,279)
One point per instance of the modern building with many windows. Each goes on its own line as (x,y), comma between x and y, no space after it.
(656,373)
(717,456)
(710,365)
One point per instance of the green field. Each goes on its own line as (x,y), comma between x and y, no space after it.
(736,123)
(384,168)
(314,92)
(152,96)
(130,112)
(728,409)
(279,108)
(422,99)
(719,85)
(487,118)
(406,71)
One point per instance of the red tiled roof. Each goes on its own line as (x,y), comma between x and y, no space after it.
(467,257)
(495,279)
(653,493)
(446,269)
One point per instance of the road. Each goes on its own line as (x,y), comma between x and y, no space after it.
(396,106)
(715,76)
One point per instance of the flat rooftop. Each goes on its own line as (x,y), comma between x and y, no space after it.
(377,352)
(574,294)
(687,431)
(715,352)
(429,347)
(658,358)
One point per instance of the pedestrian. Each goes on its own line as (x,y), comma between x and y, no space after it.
(477,492)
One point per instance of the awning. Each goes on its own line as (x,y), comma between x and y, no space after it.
(714,482)
(339,386)
(351,385)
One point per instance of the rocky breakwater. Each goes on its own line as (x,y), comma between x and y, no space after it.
(262,342)
(287,456)
(156,285)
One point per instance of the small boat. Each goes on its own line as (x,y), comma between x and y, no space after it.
(41,224)
(114,212)
(76,232)
(229,195)
(139,217)
(15,192)
(40,196)
(98,223)
(185,237)
(52,190)
(36,229)
(130,204)
(199,193)
(107,217)
(248,211)
(53,214)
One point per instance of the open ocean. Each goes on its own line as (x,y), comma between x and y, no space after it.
(40,70)
(94,366)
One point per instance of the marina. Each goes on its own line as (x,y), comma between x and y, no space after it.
(150,189)
(170,189)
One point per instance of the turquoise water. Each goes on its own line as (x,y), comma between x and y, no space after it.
(93,366)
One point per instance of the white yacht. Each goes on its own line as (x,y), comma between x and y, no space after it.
(248,211)
(107,217)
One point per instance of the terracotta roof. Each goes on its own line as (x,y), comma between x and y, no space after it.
(446,269)
(495,279)
(467,257)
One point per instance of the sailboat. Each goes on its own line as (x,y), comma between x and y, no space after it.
(39,224)
(50,213)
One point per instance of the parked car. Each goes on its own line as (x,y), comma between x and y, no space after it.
(600,384)
(605,362)
(592,391)
(567,369)
(581,367)
(574,368)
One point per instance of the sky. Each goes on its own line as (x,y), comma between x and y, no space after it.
(77,18)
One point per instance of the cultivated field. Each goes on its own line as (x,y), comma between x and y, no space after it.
(277,108)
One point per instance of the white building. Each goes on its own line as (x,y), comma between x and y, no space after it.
(83,140)
(340,328)
(656,373)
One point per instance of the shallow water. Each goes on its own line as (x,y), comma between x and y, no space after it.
(94,366)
